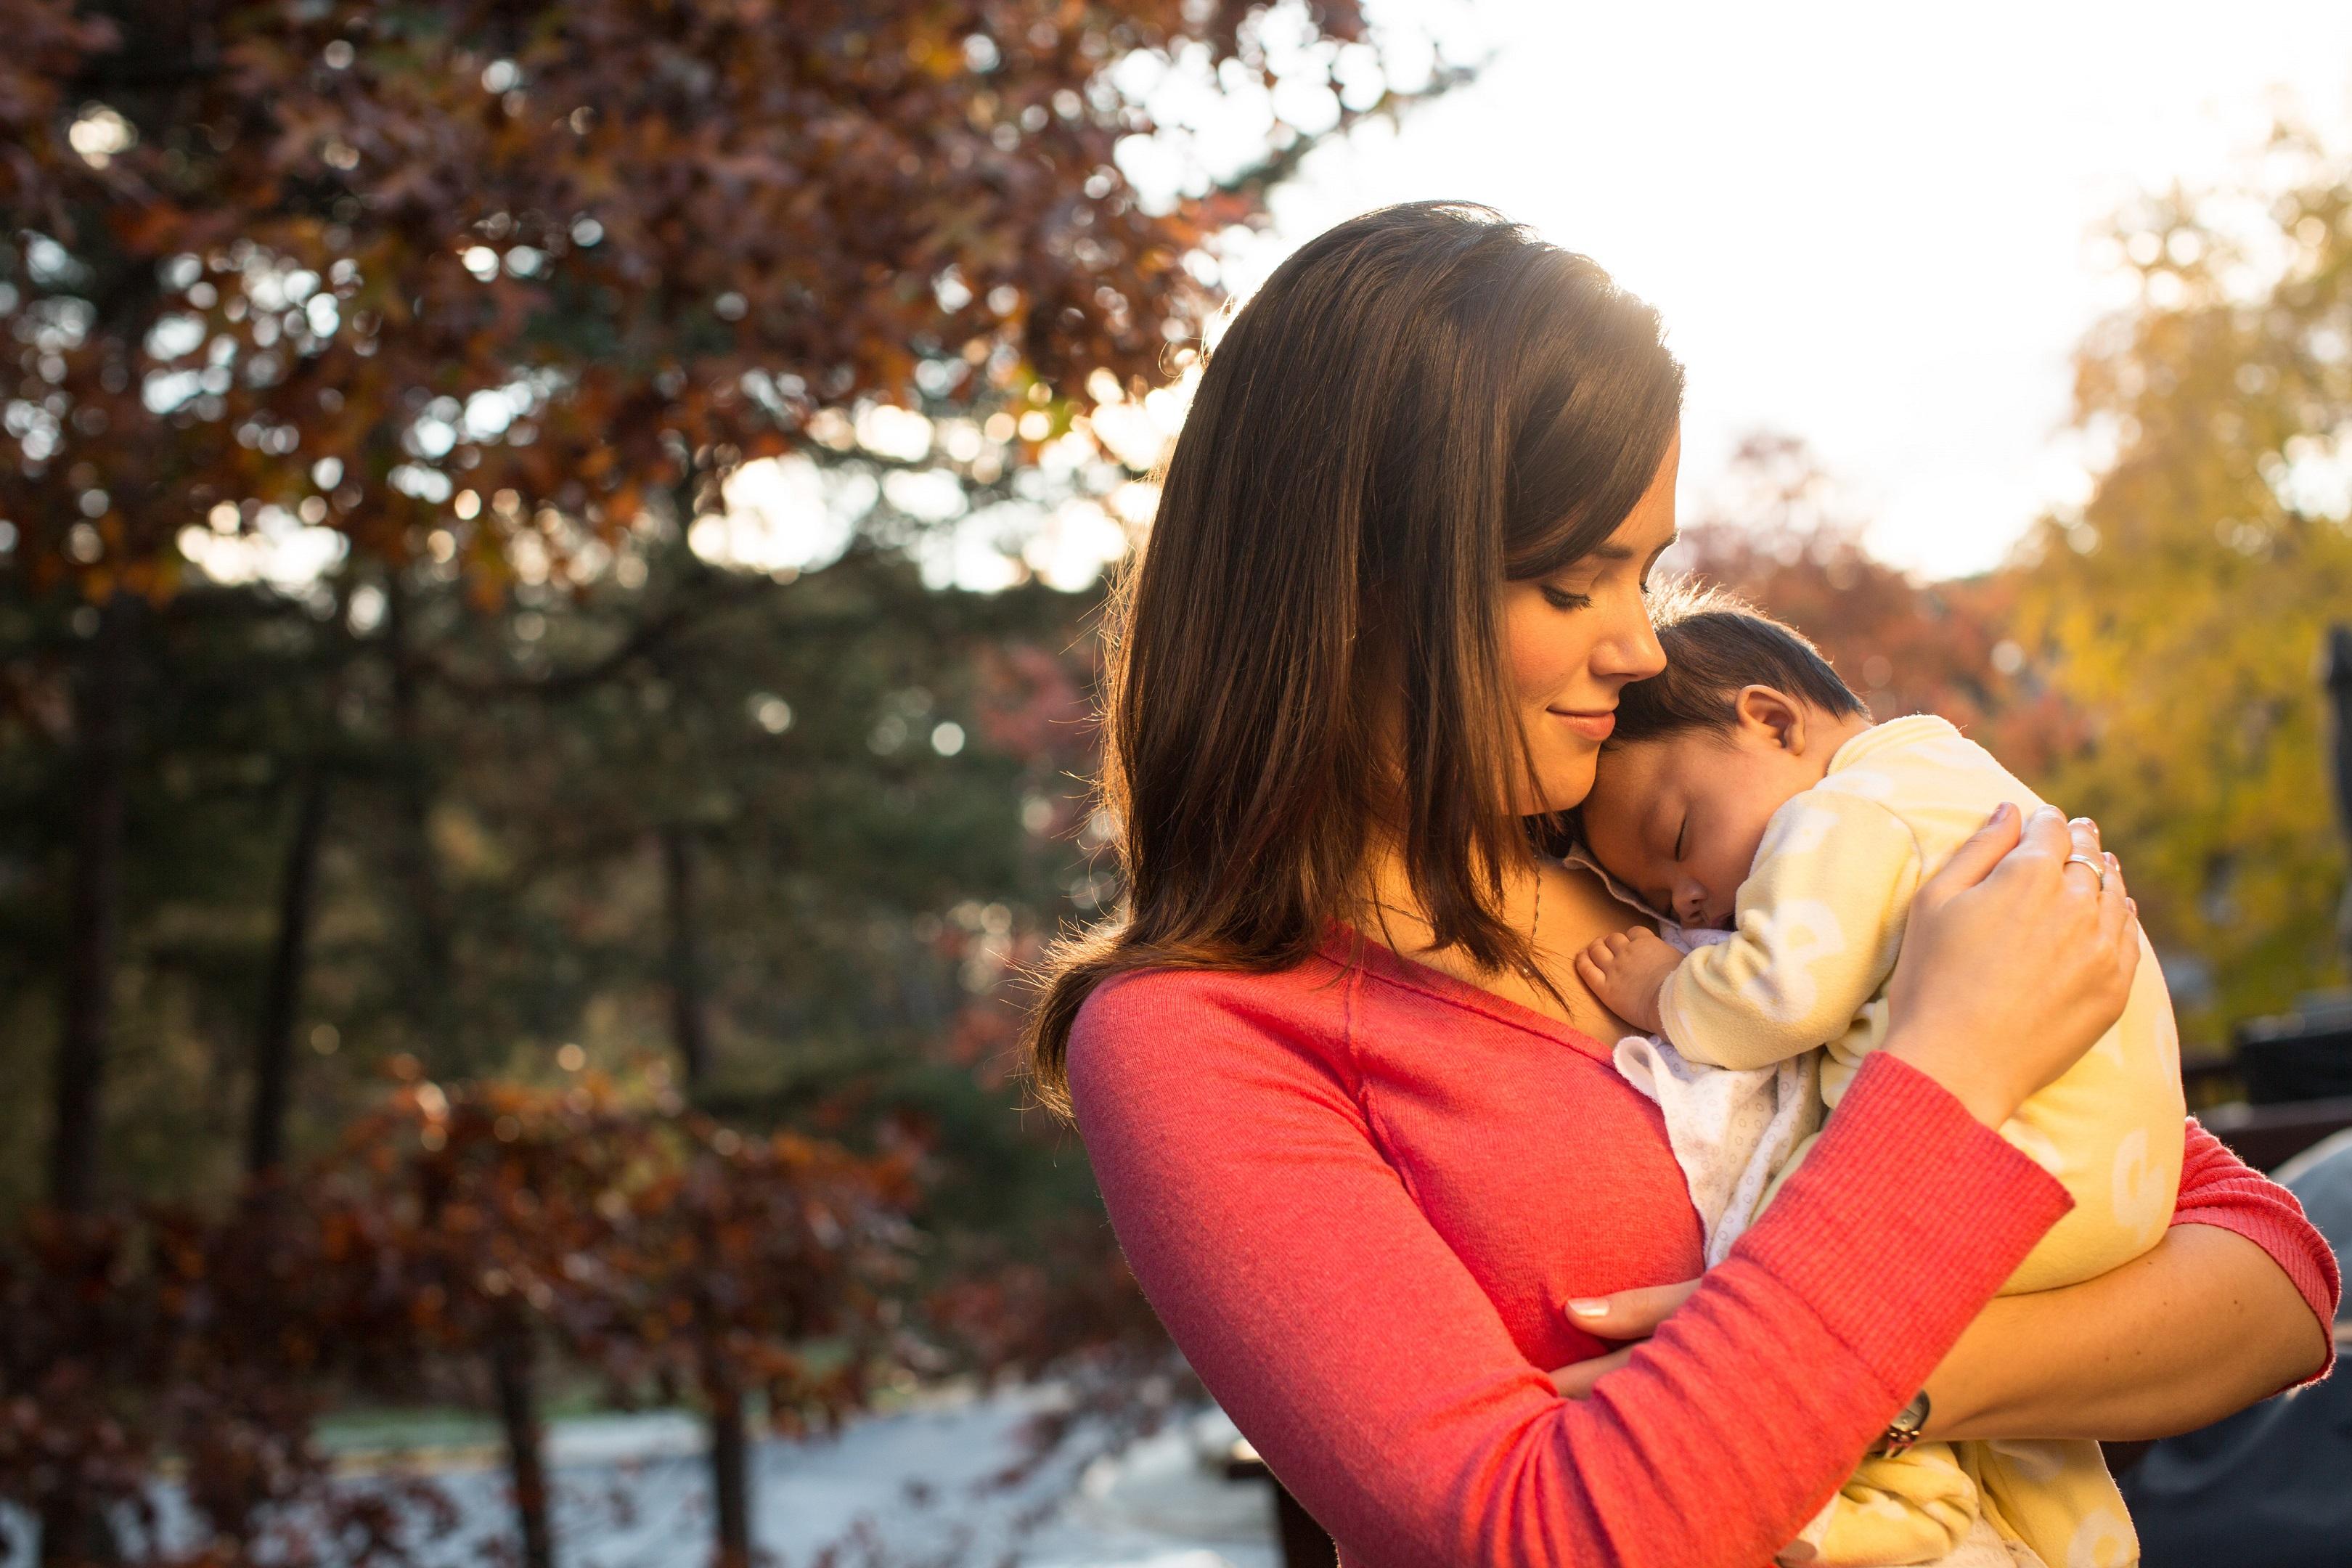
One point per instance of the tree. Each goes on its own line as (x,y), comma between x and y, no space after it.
(2183,607)
(1782,532)
(483,305)
(160,1331)
(485,284)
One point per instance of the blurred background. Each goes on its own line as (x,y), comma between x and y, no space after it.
(549,563)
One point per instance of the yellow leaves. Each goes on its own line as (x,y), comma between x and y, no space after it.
(2190,630)
(936,56)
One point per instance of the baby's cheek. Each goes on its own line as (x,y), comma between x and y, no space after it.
(1731,867)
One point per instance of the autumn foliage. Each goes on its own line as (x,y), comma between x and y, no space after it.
(482,305)
(455,1235)
(344,260)
(486,301)
(1780,532)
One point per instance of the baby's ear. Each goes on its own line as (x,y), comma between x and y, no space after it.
(1771,714)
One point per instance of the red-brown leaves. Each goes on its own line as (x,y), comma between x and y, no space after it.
(648,1244)
(618,209)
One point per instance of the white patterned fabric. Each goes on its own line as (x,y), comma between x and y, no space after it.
(1732,1129)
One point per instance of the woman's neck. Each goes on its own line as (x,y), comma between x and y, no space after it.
(1393,911)
(1563,909)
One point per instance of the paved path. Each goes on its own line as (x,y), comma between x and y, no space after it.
(909,1489)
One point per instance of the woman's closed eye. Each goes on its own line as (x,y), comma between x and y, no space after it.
(1566,598)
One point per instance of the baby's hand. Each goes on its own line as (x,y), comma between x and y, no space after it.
(1625,971)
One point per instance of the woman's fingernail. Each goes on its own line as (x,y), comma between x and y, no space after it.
(2001,813)
(1585,1307)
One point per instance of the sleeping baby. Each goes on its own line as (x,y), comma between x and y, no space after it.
(1750,802)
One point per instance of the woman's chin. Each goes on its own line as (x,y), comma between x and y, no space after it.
(1563,783)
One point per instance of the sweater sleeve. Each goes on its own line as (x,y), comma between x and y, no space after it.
(2218,1188)
(1816,929)
(1360,1356)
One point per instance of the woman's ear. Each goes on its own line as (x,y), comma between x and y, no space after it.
(1770,714)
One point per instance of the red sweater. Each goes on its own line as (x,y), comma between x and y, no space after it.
(1358,1195)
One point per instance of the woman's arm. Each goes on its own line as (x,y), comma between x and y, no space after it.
(2234,1304)
(1363,1360)
(2202,1324)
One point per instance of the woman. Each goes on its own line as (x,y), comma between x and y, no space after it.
(1350,1110)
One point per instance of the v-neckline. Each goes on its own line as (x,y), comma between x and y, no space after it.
(1346,945)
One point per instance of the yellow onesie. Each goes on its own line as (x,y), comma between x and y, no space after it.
(1819,923)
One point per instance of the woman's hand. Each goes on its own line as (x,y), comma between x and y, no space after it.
(1631,1315)
(2015,961)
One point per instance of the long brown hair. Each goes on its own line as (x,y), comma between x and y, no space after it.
(1421,405)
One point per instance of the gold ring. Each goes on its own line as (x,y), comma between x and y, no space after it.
(2079,859)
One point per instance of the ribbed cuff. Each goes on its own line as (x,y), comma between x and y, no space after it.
(1904,1220)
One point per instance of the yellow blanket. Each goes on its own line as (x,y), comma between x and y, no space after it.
(1819,923)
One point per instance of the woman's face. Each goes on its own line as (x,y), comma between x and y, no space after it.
(1576,638)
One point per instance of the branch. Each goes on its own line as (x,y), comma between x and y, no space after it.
(686,609)
(1253,185)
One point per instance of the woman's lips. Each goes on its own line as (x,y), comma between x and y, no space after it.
(1594,725)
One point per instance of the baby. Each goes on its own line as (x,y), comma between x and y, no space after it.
(1748,800)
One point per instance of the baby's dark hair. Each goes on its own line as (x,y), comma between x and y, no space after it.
(1716,643)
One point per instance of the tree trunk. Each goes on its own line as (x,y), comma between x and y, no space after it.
(731,1442)
(411,849)
(281,999)
(77,1535)
(2336,678)
(514,1369)
(689,1027)
(94,914)
(730,1471)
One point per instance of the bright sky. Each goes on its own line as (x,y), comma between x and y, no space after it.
(1866,224)
(1869,225)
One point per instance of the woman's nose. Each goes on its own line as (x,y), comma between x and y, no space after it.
(1631,650)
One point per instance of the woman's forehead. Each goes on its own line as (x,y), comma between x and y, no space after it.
(1635,544)
(1647,529)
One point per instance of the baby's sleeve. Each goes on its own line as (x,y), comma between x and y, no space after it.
(1818,924)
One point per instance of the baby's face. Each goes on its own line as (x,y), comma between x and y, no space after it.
(1678,819)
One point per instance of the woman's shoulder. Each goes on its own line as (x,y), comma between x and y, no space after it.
(1169,1025)
(1160,1000)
